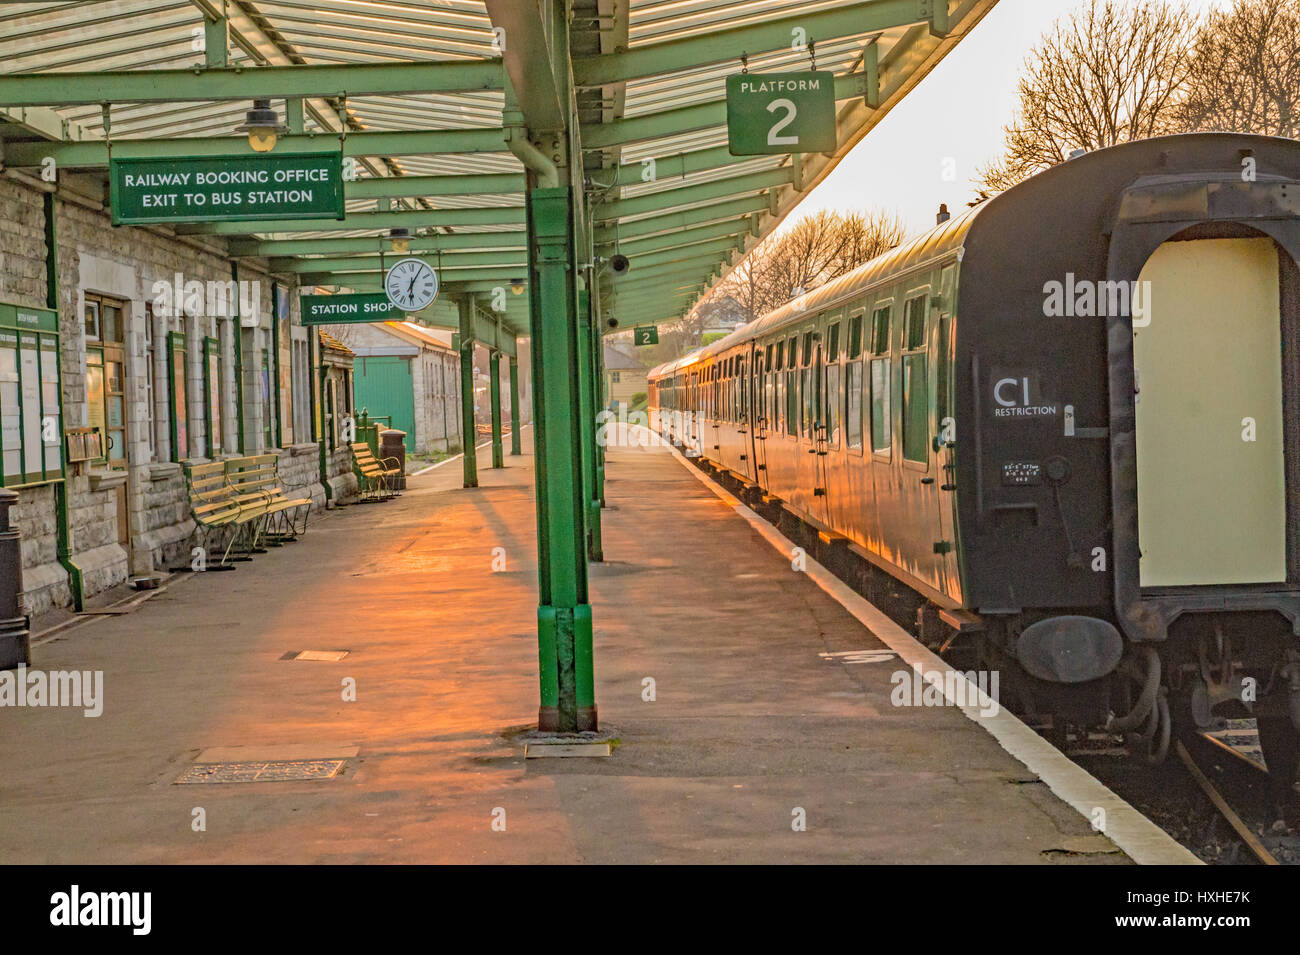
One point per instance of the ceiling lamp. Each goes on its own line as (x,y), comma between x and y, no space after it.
(263,126)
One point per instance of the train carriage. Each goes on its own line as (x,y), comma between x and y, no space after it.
(1068,419)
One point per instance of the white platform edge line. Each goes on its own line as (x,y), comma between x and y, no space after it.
(1141,839)
(457,457)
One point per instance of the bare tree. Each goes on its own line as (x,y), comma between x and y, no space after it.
(813,251)
(1244,74)
(1109,74)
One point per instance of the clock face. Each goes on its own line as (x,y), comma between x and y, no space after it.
(411,284)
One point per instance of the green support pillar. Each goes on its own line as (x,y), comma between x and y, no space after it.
(515,448)
(599,399)
(494,379)
(586,391)
(465,305)
(564,628)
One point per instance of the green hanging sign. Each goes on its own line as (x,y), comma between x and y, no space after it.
(770,113)
(238,188)
(645,335)
(349,309)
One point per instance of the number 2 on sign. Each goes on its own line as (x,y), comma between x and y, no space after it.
(790,112)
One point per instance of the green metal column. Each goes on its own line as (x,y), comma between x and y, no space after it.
(465,305)
(588,430)
(564,628)
(494,385)
(599,400)
(515,449)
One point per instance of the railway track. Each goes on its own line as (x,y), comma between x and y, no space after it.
(1218,776)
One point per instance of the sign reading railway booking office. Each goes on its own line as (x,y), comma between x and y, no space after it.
(226,188)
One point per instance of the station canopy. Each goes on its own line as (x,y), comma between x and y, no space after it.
(436,101)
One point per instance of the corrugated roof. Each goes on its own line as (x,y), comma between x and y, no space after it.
(636,62)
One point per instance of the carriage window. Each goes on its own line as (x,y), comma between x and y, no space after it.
(777,361)
(792,402)
(916,412)
(768,354)
(855,335)
(880,436)
(807,414)
(833,342)
(807,348)
(778,401)
(833,403)
(853,405)
(880,330)
(914,323)
(791,356)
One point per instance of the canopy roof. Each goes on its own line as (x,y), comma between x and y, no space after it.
(419,93)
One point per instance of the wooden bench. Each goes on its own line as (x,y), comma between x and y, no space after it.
(376,478)
(218,512)
(256,480)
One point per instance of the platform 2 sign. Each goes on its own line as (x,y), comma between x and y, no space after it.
(239,188)
(645,335)
(353,309)
(770,113)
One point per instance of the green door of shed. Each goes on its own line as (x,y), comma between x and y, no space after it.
(384,388)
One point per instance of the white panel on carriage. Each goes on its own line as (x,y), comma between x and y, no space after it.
(1208,360)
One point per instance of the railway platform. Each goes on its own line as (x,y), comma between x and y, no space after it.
(752,708)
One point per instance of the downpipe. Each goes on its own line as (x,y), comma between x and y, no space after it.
(548,176)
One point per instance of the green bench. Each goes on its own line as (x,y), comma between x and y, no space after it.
(256,481)
(376,479)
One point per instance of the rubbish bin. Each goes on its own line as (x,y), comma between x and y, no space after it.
(15,641)
(392,444)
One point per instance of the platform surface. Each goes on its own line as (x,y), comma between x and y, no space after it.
(758,719)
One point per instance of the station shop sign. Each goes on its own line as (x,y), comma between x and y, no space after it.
(769,113)
(31,413)
(239,188)
(351,309)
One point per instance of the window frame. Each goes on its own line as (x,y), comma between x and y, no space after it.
(926,295)
(178,415)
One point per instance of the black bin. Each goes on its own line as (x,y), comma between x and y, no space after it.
(15,638)
(392,444)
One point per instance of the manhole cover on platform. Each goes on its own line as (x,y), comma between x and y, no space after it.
(262,771)
(319,656)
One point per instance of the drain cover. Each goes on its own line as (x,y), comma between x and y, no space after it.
(262,771)
(320,656)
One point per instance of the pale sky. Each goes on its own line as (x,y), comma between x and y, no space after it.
(957,112)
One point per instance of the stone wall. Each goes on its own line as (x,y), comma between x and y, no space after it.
(146,271)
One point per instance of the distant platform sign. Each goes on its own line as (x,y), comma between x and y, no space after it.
(227,188)
(349,309)
(645,335)
(781,113)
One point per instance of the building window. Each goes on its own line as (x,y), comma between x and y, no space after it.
(283,379)
(150,412)
(105,375)
(212,386)
(613,377)
(301,391)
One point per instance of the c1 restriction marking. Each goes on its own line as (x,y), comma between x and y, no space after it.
(770,113)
